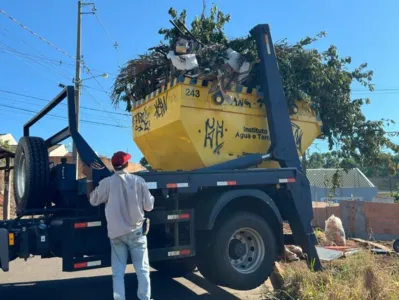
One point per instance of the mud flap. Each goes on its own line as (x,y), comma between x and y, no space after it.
(4,250)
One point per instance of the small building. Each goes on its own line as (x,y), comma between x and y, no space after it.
(8,138)
(53,151)
(353,185)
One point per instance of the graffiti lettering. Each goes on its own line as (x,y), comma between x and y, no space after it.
(298,133)
(260,102)
(141,122)
(161,107)
(242,102)
(214,132)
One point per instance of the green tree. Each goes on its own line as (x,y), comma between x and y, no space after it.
(322,78)
(331,160)
(315,161)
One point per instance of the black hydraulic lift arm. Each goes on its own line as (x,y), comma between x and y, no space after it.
(297,206)
(282,148)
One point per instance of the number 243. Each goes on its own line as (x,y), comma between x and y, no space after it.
(192,93)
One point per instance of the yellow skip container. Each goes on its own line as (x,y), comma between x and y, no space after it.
(181,127)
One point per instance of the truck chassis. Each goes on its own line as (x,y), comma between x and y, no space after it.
(195,211)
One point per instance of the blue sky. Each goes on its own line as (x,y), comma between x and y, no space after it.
(364,30)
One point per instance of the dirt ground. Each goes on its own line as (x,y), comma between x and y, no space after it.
(43,279)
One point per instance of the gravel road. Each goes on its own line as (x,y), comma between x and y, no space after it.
(43,279)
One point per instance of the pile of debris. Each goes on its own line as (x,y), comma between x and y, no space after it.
(333,244)
(186,56)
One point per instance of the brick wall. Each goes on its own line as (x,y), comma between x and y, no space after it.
(382,219)
(363,219)
(12,201)
(321,214)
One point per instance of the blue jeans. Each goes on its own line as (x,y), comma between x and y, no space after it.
(136,244)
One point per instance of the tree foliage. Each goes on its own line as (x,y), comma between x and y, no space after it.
(387,164)
(322,78)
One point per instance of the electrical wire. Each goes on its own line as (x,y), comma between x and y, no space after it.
(115,45)
(55,47)
(12,52)
(46,100)
(61,117)
(12,37)
(58,108)
(94,98)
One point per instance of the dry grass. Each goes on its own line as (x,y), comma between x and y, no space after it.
(362,276)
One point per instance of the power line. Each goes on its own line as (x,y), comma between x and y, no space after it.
(61,117)
(27,101)
(56,62)
(94,98)
(115,45)
(60,62)
(41,57)
(11,51)
(55,47)
(46,100)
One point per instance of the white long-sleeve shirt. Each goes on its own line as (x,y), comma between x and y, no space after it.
(126,197)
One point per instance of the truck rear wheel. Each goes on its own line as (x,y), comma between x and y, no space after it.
(175,267)
(240,253)
(31,174)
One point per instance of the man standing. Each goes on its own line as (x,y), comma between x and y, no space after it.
(126,197)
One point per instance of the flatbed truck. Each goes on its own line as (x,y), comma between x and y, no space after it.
(226,219)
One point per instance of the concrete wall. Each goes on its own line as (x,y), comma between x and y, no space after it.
(365,194)
(363,219)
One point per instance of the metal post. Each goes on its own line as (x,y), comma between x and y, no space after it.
(75,153)
(7,190)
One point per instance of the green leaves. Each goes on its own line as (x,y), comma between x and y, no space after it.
(323,78)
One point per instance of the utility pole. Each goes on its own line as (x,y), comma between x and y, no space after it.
(77,80)
(75,154)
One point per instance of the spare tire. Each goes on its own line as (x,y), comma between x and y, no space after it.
(31,174)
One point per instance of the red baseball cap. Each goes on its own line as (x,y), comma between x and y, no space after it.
(120,158)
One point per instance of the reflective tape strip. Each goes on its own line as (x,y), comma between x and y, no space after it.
(179,253)
(173,253)
(226,183)
(87,264)
(287,180)
(185,252)
(11,240)
(87,224)
(94,263)
(152,185)
(178,217)
(177,185)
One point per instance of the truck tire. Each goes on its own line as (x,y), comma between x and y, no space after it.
(175,267)
(239,253)
(31,174)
